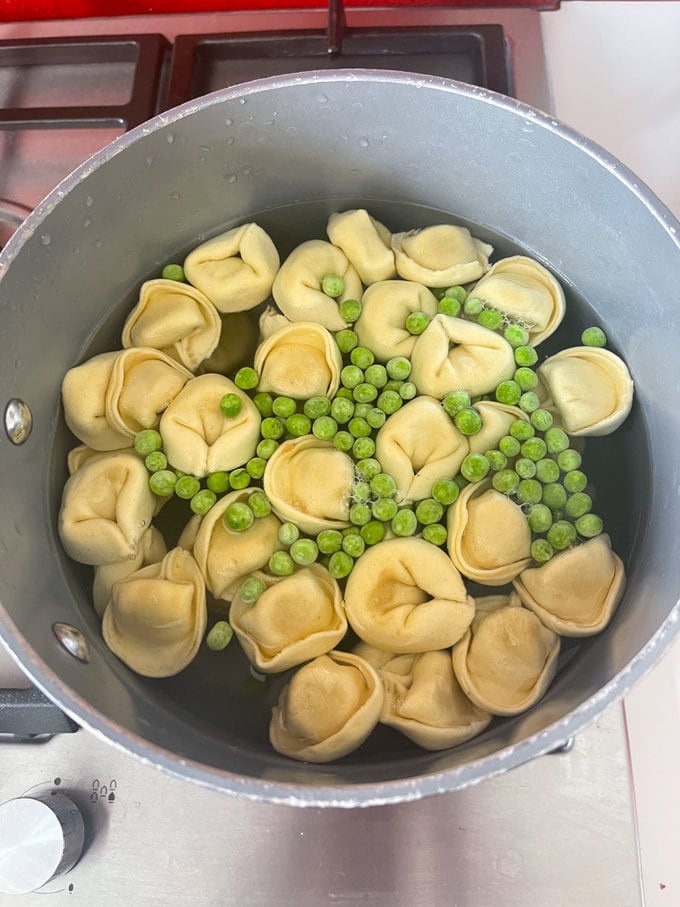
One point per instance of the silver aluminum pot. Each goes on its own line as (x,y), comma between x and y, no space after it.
(287,151)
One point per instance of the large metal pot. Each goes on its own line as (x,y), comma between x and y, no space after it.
(287,152)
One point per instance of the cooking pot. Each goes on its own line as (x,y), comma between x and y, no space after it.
(286,152)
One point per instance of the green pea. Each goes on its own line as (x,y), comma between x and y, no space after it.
(539,518)
(304,552)
(351,375)
(408,390)
(288,533)
(449,306)
(246,378)
(360,514)
(260,504)
(162,483)
(541,419)
(578,504)
(384,509)
(265,448)
(508,392)
(522,430)
(202,501)
(473,306)
(329,541)
(376,418)
(455,401)
(393,385)
(346,340)
(547,471)
(368,468)
(556,440)
(526,355)
(263,401)
(187,487)
(365,393)
(174,272)
(281,564)
(529,491)
(534,449)
(416,322)
(376,375)
(541,550)
(429,511)
(497,459)
(239,478)
(445,491)
(362,357)
(251,589)
(506,481)
(349,309)
(554,495)
(589,525)
(284,407)
(255,467)
(509,446)
(316,406)
(468,421)
(343,441)
(333,285)
(404,523)
(516,335)
(490,319)
(372,532)
(361,492)
(456,292)
(324,428)
(526,378)
(238,517)
(155,461)
(298,425)
(230,405)
(219,636)
(359,428)
(340,564)
(525,468)
(435,533)
(568,459)
(218,482)
(272,428)
(363,448)
(529,402)
(475,467)
(389,402)
(354,545)
(342,410)
(575,481)
(361,410)
(594,337)
(383,485)
(561,535)
(398,368)
(147,442)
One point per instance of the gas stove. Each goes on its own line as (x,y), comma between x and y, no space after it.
(560,830)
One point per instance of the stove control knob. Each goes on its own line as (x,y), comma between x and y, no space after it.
(40,838)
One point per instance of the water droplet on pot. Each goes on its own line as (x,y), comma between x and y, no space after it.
(228,121)
(230,140)
(89,201)
(176,195)
(322,98)
(241,100)
(99,243)
(231,177)
(149,159)
(45,239)
(246,171)
(170,138)
(87,222)
(363,142)
(205,148)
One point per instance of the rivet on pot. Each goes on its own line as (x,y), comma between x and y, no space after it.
(72,640)
(18,421)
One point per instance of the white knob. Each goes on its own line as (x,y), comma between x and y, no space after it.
(40,838)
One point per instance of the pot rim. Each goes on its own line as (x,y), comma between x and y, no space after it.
(315,794)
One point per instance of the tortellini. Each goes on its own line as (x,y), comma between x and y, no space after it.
(83,393)
(297,288)
(327,710)
(440,256)
(300,360)
(295,619)
(507,658)
(366,243)
(236,269)
(176,318)
(227,557)
(419,445)
(489,539)
(525,291)
(198,438)
(591,389)
(151,550)
(424,701)
(236,345)
(271,321)
(406,596)
(385,307)
(577,591)
(309,483)
(453,354)
(106,508)
(156,617)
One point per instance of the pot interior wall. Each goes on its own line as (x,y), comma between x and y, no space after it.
(287,154)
